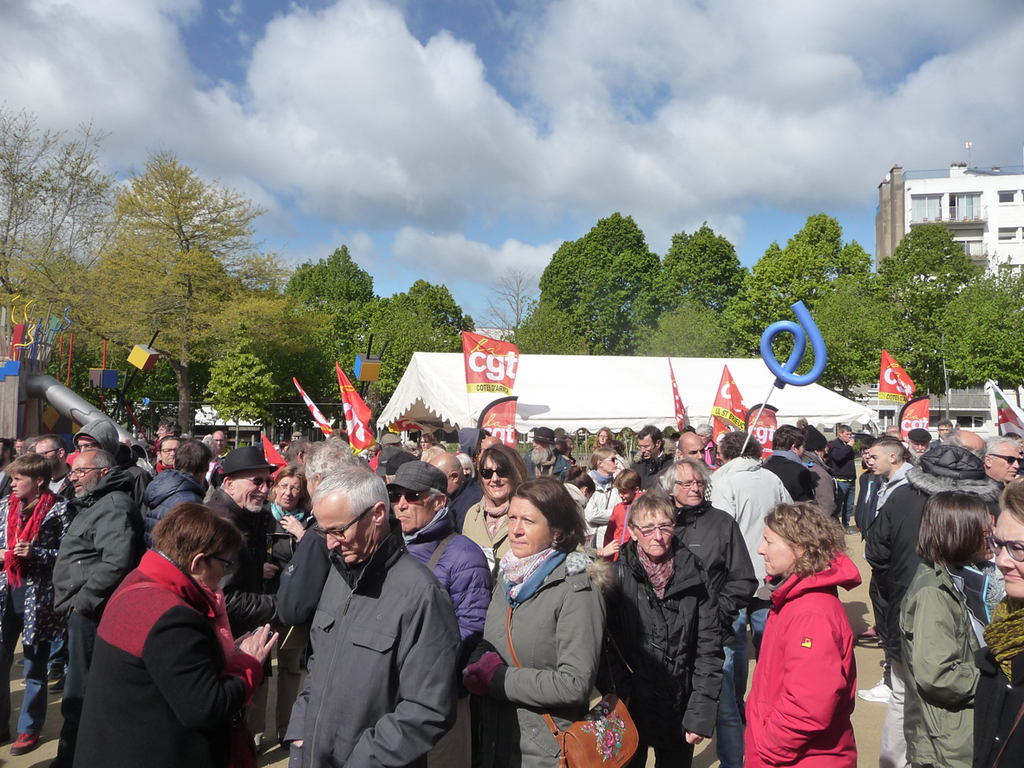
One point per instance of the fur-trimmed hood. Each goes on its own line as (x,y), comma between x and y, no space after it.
(952,468)
(599,571)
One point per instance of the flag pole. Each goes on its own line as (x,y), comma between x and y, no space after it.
(759,412)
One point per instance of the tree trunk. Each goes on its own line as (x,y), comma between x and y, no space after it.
(184,395)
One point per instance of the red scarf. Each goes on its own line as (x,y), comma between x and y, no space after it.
(23,531)
(160,466)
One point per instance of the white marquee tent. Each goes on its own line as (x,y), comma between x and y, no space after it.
(584,392)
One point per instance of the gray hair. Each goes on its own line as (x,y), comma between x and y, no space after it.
(992,444)
(704,430)
(327,457)
(360,487)
(649,504)
(700,469)
(101,459)
(467,463)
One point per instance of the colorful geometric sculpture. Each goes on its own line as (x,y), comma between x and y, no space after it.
(103,378)
(143,358)
(367,367)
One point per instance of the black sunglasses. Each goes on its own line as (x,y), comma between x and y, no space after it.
(413,497)
(1008,459)
(487,473)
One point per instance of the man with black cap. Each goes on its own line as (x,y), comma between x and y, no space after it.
(418,496)
(242,500)
(545,459)
(918,441)
(390,445)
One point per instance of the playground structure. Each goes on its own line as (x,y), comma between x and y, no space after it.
(31,401)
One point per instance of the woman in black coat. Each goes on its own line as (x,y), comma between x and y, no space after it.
(167,685)
(999,700)
(664,621)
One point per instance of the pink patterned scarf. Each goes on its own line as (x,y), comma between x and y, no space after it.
(660,574)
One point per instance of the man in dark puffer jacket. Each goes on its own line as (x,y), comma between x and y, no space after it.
(176,486)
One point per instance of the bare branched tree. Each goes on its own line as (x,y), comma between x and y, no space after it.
(511,299)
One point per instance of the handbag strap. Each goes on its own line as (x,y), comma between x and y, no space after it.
(1002,749)
(512,653)
(436,557)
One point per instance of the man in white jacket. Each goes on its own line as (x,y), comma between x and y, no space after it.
(748,492)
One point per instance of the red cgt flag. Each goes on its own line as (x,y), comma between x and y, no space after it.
(490,364)
(914,415)
(677,400)
(728,407)
(764,429)
(324,424)
(894,385)
(357,414)
(499,420)
(271,454)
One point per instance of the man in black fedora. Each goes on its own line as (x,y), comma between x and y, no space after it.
(545,459)
(242,499)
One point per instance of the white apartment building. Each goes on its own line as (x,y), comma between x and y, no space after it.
(982,207)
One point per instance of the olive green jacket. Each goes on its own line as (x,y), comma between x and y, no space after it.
(938,655)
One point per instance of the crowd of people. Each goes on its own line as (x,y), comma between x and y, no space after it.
(467,607)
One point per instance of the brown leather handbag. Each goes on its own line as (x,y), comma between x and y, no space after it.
(605,738)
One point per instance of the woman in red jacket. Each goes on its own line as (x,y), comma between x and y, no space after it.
(805,681)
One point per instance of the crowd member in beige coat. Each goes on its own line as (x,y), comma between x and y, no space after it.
(550,596)
(502,470)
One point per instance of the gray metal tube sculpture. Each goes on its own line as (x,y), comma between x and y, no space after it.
(67,403)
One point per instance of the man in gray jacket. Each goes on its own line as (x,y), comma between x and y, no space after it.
(103,543)
(382,686)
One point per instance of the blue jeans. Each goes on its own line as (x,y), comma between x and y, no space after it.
(81,641)
(843,508)
(731,710)
(33,706)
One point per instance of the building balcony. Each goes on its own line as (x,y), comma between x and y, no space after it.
(963,216)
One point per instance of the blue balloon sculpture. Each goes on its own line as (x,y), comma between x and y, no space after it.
(784,374)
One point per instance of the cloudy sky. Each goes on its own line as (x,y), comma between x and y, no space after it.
(454,139)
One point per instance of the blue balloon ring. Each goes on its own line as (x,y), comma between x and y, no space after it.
(784,374)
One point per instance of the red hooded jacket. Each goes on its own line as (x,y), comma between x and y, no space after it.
(805,681)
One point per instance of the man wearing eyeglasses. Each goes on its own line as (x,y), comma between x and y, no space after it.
(102,545)
(382,683)
(55,451)
(242,499)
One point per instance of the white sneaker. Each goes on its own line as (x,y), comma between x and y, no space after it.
(879,693)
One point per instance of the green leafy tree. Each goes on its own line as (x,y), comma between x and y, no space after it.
(424,319)
(926,271)
(983,325)
(605,286)
(804,271)
(183,262)
(701,268)
(54,206)
(241,386)
(690,330)
(545,331)
(333,296)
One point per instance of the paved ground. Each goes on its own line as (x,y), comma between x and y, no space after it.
(867,717)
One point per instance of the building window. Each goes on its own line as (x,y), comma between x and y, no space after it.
(1007,234)
(973,248)
(926,208)
(966,207)
(971,422)
(1007,197)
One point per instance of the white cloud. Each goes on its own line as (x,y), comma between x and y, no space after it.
(672,111)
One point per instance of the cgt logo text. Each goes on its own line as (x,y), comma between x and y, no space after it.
(764,434)
(908,424)
(494,367)
(894,380)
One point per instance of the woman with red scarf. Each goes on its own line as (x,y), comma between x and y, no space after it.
(32,523)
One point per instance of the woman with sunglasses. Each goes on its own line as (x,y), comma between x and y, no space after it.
(167,684)
(502,470)
(942,620)
(999,701)
(664,621)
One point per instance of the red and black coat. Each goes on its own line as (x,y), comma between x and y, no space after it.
(161,692)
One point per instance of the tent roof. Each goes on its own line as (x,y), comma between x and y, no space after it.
(590,392)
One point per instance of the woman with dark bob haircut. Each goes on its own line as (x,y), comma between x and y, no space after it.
(501,472)
(166,683)
(942,621)
(547,600)
(804,687)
